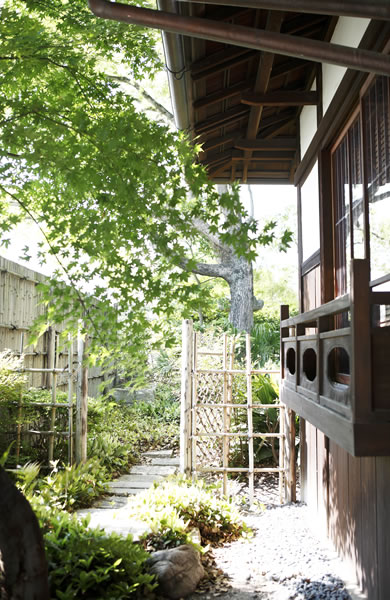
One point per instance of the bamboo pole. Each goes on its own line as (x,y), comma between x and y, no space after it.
(81,402)
(225,439)
(20,408)
(186,385)
(54,358)
(194,405)
(70,401)
(250,418)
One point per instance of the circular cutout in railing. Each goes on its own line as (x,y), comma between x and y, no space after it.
(338,366)
(290,361)
(309,364)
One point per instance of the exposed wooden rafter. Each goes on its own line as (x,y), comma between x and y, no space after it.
(282,98)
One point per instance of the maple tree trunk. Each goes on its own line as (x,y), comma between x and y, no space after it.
(23,566)
(241,295)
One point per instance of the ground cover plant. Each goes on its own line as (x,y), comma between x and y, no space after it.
(174,507)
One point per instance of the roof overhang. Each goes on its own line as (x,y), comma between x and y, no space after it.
(240,72)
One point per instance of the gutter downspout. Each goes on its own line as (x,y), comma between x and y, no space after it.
(175,65)
(247,37)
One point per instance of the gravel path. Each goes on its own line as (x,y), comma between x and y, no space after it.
(283,561)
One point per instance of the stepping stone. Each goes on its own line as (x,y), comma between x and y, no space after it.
(146,480)
(114,521)
(126,491)
(111,502)
(158,454)
(153,470)
(133,483)
(166,461)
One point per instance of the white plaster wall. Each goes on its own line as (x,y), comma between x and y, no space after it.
(308,126)
(310,214)
(348,32)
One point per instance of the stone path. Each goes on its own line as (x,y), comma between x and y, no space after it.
(110,512)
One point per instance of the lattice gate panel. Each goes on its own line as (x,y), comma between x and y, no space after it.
(220,433)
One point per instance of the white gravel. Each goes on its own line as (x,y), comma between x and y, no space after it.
(284,560)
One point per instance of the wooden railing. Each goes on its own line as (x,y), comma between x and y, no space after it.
(349,403)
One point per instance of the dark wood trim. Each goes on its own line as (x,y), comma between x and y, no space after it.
(361,334)
(311,262)
(380,298)
(333,307)
(213,61)
(288,143)
(336,427)
(282,98)
(229,92)
(347,94)
(359,439)
(380,280)
(319,90)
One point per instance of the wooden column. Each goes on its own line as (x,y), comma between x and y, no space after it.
(361,340)
(81,401)
(291,477)
(186,397)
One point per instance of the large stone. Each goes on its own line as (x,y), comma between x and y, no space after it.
(178,571)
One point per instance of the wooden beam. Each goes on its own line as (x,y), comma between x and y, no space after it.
(237,35)
(241,57)
(229,92)
(282,98)
(288,143)
(375,9)
(229,116)
(289,66)
(220,169)
(218,141)
(274,23)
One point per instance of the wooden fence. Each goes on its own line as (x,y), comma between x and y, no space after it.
(217,416)
(19,307)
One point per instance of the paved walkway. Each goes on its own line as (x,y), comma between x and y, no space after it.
(110,513)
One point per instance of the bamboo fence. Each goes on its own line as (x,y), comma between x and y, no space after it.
(208,402)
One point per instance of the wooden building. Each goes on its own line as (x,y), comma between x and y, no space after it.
(299,92)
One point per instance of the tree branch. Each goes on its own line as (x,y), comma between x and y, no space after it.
(159,107)
(207,269)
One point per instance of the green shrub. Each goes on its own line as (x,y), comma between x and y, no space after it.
(11,381)
(89,564)
(265,420)
(176,505)
(68,488)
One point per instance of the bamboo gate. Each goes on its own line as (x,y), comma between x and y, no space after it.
(209,407)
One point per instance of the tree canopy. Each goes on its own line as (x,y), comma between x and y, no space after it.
(114,193)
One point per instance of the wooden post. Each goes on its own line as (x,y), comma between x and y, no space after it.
(81,402)
(186,397)
(361,340)
(291,478)
(250,418)
(282,444)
